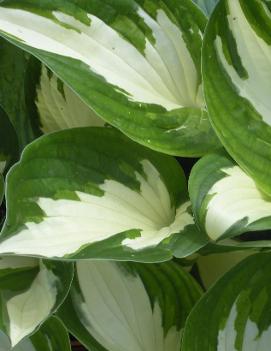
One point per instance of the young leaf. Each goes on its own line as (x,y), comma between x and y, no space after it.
(135,63)
(226,201)
(234,315)
(93,193)
(30,291)
(52,336)
(237,83)
(58,107)
(129,307)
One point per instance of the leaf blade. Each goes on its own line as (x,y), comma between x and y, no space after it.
(128,201)
(226,201)
(145,115)
(30,292)
(233,315)
(239,107)
(143,310)
(51,337)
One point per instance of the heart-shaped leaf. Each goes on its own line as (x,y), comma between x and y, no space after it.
(93,193)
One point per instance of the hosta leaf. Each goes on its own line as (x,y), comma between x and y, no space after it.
(135,63)
(237,80)
(58,107)
(30,291)
(234,315)
(93,193)
(36,100)
(226,201)
(52,336)
(129,307)
(15,74)
(207,6)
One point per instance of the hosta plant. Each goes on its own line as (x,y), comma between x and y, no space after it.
(135,175)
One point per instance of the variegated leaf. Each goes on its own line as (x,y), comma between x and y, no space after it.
(237,80)
(36,100)
(226,201)
(58,107)
(129,307)
(30,291)
(93,193)
(234,315)
(136,64)
(52,336)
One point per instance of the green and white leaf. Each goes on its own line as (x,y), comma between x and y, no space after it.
(226,201)
(136,64)
(52,336)
(237,83)
(58,107)
(129,307)
(207,6)
(234,315)
(30,291)
(93,193)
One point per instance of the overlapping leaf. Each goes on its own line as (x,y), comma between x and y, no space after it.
(129,307)
(52,336)
(137,64)
(57,107)
(226,201)
(30,291)
(234,315)
(237,83)
(93,193)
